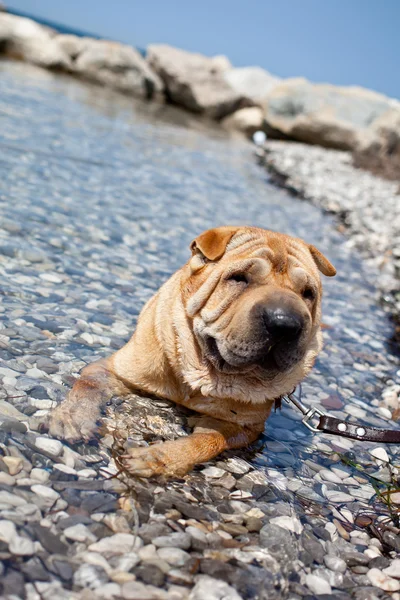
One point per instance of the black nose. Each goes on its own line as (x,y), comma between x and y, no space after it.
(282,324)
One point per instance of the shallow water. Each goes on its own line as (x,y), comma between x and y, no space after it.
(99,200)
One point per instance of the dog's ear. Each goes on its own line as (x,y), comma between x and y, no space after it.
(212,243)
(322,262)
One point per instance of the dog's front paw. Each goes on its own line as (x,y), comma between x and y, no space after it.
(72,423)
(159,459)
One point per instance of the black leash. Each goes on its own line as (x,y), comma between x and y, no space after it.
(328,424)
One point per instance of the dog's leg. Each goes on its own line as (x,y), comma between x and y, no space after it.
(176,458)
(77,415)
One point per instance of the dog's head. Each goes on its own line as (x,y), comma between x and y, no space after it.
(253,298)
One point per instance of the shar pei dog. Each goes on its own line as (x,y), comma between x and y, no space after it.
(237,327)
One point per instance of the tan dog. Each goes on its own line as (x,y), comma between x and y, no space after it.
(234,329)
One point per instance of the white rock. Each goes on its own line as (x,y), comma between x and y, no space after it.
(383,581)
(329,476)
(174,556)
(126,562)
(208,588)
(148,553)
(237,466)
(51,277)
(21,546)
(335,563)
(317,585)
(54,447)
(48,495)
(87,576)
(395,497)
(79,533)
(40,475)
(173,540)
(393,570)
(108,591)
(6,478)
(65,469)
(87,473)
(384,412)
(337,496)
(96,559)
(11,499)
(380,454)
(120,543)
(7,531)
(213,472)
(290,523)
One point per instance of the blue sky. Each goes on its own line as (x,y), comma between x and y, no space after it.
(346,42)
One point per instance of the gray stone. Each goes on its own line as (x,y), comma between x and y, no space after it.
(254,83)
(118,66)
(25,39)
(194,81)
(323,114)
(173,540)
(208,588)
(279,542)
(90,577)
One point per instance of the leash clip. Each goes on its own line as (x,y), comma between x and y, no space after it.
(309,413)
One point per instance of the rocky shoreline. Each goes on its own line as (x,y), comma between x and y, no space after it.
(243,99)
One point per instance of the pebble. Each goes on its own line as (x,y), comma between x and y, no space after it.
(208,588)
(337,496)
(11,499)
(40,475)
(49,445)
(21,546)
(174,540)
(79,533)
(174,556)
(47,494)
(7,531)
(90,577)
(14,464)
(290,523)
(335,563)
(380,454)
(393,570)
(383,581)
(213,472)
(120,543)
(317,585)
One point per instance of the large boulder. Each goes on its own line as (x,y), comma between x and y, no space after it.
(246,120)
(323,114)
(378,148)
(113,64)
(25,39)
(195,81)
(252,82)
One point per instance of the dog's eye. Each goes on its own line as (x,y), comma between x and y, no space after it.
(308,294)
(238,277)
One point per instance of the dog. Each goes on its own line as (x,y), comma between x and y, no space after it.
(237,327)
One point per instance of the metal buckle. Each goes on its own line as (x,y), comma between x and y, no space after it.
(310,415)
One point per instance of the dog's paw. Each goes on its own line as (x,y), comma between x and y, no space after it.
(72,423)
(158,459)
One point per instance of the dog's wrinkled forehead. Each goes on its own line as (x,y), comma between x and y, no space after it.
(283,252)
